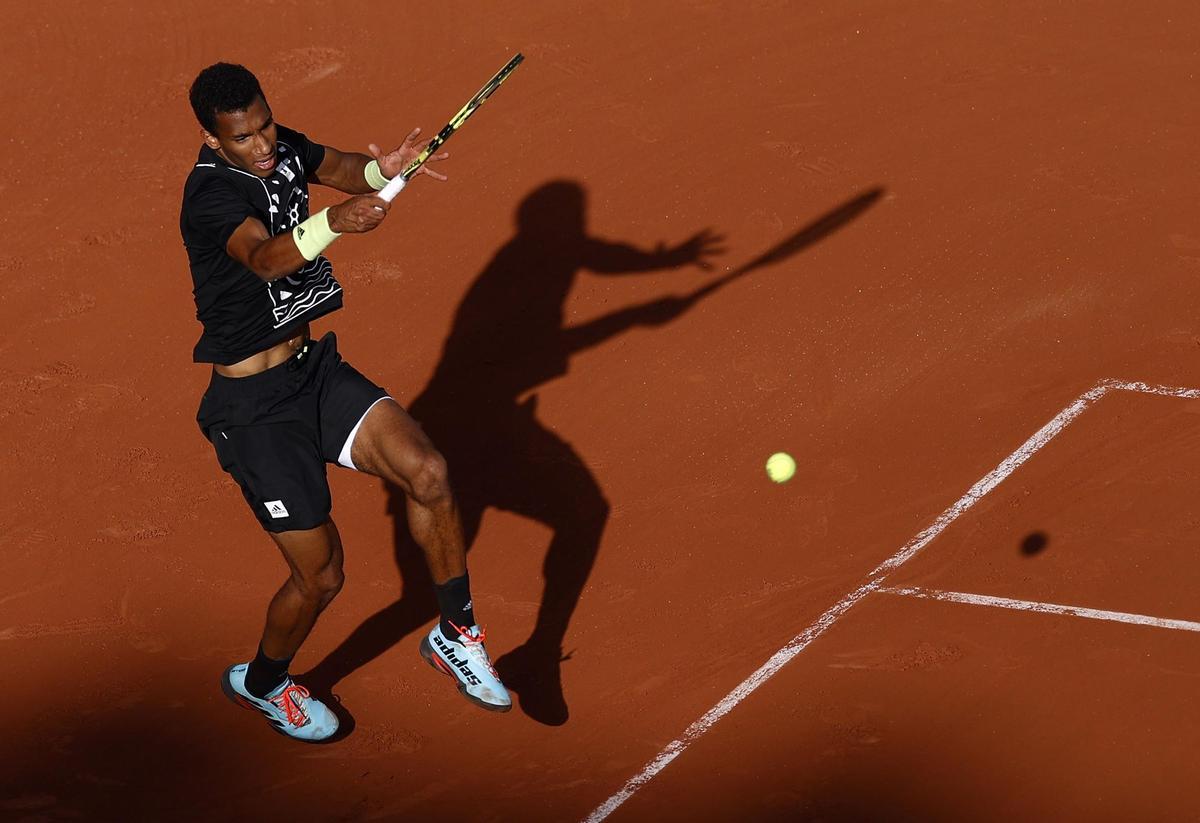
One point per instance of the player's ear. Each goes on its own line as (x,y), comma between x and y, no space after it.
(210,139)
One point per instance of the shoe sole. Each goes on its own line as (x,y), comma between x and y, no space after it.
(439,665)
(237,699)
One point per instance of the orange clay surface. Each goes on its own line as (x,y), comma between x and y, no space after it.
(984,209)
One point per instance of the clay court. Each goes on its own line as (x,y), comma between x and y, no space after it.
(968,264)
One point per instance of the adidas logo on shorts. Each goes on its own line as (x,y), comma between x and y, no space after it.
(276,509)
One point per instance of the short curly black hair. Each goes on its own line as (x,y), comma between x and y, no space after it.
(222,87)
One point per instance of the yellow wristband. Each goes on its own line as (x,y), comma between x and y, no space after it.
(374,176)
(314,234)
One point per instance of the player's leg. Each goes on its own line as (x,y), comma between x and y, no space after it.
(263,439)
(389,444)
(314,559)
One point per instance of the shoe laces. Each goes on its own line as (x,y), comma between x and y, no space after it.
(473,643)
(471,639)
(289,701)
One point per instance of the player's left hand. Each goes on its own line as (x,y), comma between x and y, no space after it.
(399,158)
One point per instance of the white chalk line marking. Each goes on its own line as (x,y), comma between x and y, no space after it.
(1146,388)
(1044,608)
(874,581)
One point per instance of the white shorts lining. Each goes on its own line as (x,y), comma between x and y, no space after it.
(344,456)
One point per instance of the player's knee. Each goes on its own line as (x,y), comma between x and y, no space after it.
(322,587)
(332,583)
(431,480)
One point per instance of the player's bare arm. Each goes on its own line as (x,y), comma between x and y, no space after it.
(274,257)
(348,172)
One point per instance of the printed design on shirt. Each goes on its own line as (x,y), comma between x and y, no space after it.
(287,206)
(314,283)
(295,294)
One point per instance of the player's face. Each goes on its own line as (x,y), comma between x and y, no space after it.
(246,139)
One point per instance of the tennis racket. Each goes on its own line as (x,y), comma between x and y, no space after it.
(397,183)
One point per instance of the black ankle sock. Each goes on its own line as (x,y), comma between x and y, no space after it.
(265,674)
(454,602)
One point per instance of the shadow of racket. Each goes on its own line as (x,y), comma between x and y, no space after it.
(815,231)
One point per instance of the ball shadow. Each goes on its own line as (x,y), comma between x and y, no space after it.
(1034,543)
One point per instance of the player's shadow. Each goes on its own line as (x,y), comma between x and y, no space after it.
(479,409)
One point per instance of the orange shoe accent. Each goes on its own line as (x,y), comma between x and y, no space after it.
(289,701)
(471,638)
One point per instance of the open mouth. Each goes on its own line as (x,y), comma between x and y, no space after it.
(266,165)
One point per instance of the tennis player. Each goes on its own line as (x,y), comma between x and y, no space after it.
(280,405)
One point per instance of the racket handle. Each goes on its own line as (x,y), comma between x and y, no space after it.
(394,187)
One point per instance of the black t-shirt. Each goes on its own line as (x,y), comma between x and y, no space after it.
(241,313)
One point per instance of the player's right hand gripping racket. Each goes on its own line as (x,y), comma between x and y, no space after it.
(397,183)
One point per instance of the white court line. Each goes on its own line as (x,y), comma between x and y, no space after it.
(1146,388)
(874,582)
(1044,608)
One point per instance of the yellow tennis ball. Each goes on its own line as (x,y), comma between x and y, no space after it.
(781,467)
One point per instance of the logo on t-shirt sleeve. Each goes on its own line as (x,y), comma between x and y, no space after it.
(276,509)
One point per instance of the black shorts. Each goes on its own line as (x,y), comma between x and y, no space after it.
(274,431)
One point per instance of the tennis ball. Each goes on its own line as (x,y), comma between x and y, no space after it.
(781,467)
